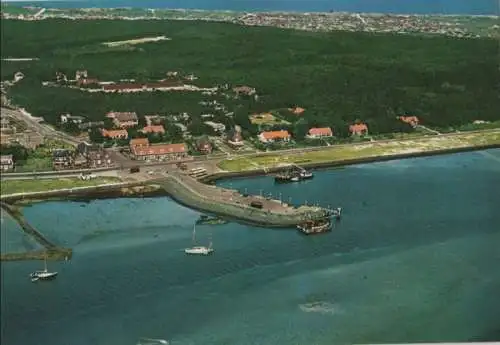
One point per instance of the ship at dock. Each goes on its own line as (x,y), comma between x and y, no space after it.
(296,174)
(315,226)
(320,226)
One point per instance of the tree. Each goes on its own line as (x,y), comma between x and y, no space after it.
(95,136)
(18,152)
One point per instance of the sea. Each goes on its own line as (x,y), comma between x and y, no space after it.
(464,7)
(415,258)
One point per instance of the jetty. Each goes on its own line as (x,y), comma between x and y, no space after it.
(230,203)
(52,251)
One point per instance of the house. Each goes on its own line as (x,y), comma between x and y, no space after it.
(18,76)
(358,129)
(216,126)
(315,133)
(138,142)
(154,129)
(297,110)
(152,120)
(62,159)
(82,74)
(67,118)
(94,154)
(411,120)
(123,119)
(160,152)
(6,163)
(91,124)
(87,81)
(114,133)
(204,146)
(270,137)
(244,90)
(234,137)
(5,124)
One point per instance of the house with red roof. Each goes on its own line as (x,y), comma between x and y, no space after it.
(114,133)
(274,136)
(324,132)
(358,129)
(160,152)
(153,129)
(411,120)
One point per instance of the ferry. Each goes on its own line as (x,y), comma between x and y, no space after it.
(315,227)
(293,176)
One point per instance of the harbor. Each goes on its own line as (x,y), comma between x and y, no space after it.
(131,250)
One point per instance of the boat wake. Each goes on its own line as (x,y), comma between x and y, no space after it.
(152,341)
(319,307)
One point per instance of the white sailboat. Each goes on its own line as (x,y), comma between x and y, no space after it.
(198,250)
(43,275)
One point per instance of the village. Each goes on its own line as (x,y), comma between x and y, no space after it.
(124,136)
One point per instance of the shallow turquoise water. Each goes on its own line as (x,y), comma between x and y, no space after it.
(415,258)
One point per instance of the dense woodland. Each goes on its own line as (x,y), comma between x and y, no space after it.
(337,77)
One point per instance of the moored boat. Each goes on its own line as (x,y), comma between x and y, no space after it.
(43,274)
(315,226)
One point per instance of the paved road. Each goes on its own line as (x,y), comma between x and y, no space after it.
(43,129)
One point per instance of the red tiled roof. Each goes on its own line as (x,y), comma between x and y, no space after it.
(326,131)
(275,135)
(412,120)
(159,149)
(114,133)
(357,128)
(153,129)
(139,142)
(297,110)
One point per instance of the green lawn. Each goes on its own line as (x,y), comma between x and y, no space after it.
(365,150)
(42,185)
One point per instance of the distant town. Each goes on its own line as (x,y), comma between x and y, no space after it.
(454,26)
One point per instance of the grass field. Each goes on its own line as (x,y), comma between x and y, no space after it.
(23,186)
(266,119)
(365,150)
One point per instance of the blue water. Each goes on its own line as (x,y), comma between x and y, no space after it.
(415,258)
(474,7)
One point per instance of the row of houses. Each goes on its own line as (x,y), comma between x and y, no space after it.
(84,156)
(358,129)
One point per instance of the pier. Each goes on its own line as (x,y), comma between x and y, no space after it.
(253,209)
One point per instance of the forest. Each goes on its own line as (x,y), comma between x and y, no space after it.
(338,77)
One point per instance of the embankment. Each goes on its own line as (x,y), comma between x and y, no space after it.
(115,190)
(345,162)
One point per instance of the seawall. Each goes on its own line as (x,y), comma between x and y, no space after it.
(345,162)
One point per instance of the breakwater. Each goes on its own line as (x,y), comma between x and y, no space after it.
(344,162)
(52,251)
(232,204)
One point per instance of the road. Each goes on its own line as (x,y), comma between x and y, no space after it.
(34,124)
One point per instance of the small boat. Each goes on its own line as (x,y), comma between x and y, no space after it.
(43,275)
(306,175)
(337,213)
(315,227)
(204,219)
(151,341)
(198,250)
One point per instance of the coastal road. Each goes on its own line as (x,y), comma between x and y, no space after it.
(215,158)
(34,124)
